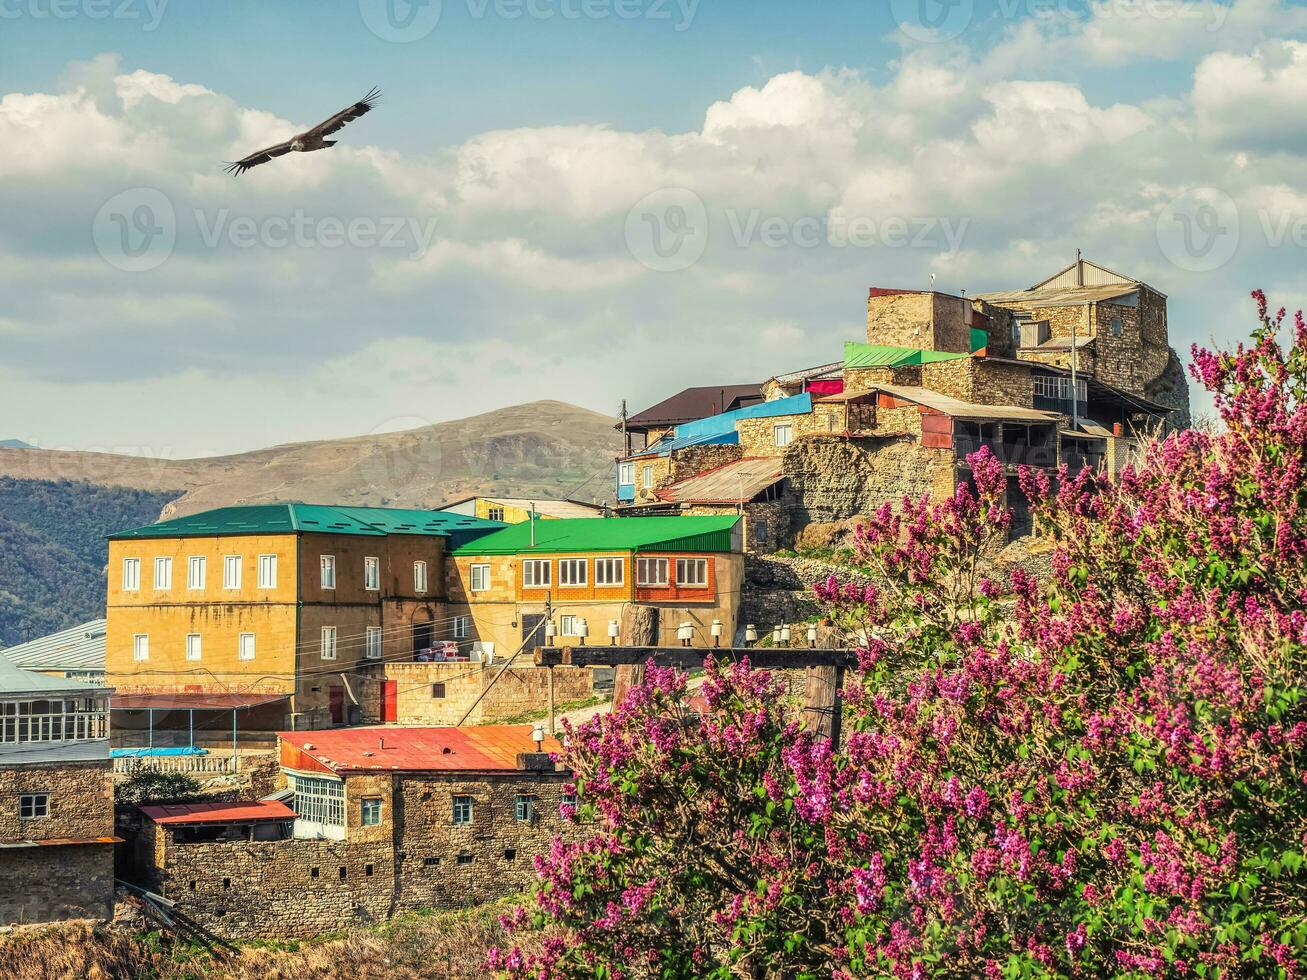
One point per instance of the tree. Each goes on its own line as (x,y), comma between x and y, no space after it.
(1101,775)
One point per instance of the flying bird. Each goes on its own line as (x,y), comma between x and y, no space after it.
(311,140)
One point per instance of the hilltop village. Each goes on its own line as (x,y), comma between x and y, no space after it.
(358,686)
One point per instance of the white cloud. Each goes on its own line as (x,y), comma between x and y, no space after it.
(1254,100)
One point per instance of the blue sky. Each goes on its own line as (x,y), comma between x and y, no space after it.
(502,199)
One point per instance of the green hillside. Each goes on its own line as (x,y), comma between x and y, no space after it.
(53,552)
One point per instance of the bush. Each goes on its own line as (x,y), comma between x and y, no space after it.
(1103,778)
(152,786)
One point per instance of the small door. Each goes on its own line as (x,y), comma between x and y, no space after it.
(533,630)
(336,701)
(389,701)
(421,638)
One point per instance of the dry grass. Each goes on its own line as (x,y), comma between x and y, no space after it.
(441,944)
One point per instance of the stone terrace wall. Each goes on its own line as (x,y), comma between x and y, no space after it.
(832,479)
(51,884)
(519,690)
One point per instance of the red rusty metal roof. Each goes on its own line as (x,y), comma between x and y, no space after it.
(486,748)
(192,702)
(190,813)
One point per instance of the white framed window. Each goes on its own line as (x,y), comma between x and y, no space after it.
(231,571)
(610,571)
(33,806)
(692,572)
(131,575)
(194,646)
(267,571)
(327,564)
(783,433)
(162,574)
(318,800)
(461,624)
(373,648)
(524,808)
(495,513)
(197,567)
(328,643)
(462,809)
(372,574)
(480,578)
(420,577)
(646,477)
(245,646)
(572,572)
(567,625)
(626,474)
(536,573)
(141,646)
(370,811)
(651,571)
(1115,326)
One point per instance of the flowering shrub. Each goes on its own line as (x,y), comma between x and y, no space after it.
(1102,775)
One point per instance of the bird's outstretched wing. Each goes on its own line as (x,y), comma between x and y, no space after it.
(337,122)
(254,159)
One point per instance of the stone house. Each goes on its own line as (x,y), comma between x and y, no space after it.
(468,691)
(648,575)
(282,607)
(385,820)
(56,799)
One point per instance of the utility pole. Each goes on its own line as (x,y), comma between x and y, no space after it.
(1075,393)
(626,436)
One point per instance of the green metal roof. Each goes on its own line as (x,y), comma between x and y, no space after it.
(609,534)
(878,355)
(296,518)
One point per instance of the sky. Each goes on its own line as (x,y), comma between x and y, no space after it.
(596,200)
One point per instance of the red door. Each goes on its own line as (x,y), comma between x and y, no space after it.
(389,701)
(336,700)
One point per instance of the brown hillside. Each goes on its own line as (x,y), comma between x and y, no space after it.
(544,448)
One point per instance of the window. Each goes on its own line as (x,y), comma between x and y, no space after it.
(524,807)
(267,571)
(431,862)
(535,573)
(328,564)
(572,572)
(374,643)
(783,433)
(569,799)
(610,571)
(318,800)
(465,858)
(1116,326)
(626,474)
(141,646)
(371,574)
(460,627)
(438,690)
(231,572)
(57,720)
(162,574)
(419,577)
(495,513)
(328,643)
(245,646)
(646,477)
(692,572)
(480,578)
(196,567)
(462,811)
(567,625)
(651,571)
(370,811)
(131,575)
(194,648)
(33,806)
(510,854)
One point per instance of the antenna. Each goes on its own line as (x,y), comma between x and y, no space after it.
(932,280)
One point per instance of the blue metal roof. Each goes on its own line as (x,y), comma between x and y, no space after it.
(719,430)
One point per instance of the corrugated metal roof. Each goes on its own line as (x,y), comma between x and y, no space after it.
(487,748)
(1090,274)
(695,403)
(76,648)
(16,681)
(858,355)
(609,534)
(196,813)
(192,702)
(1061,296)
(733,483)
(291,518)
(720,429)
(965,410)
(664,446)
(832,370)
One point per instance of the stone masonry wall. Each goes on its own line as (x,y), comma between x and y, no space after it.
(55,883)
(81,801)
(694,460)
(758,436)
(832,479)
(519,690)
